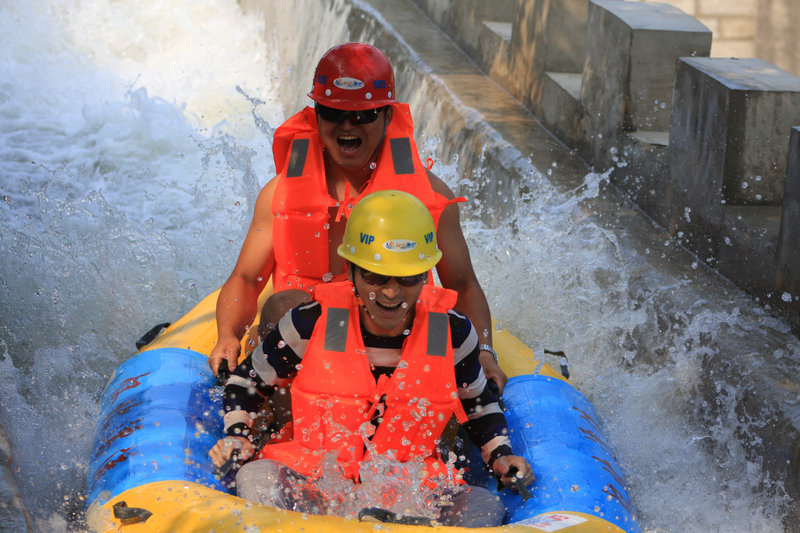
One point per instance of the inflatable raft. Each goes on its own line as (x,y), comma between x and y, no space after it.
(161,413)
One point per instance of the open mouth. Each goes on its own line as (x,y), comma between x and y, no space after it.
(389,307)
(348,143)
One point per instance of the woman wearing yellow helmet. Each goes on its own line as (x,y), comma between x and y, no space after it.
(369,352)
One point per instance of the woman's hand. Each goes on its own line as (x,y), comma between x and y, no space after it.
(223,449)
(504,468)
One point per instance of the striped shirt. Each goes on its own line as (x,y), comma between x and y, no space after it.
(274,363)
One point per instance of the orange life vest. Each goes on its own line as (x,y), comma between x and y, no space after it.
(301,201)
(335,396)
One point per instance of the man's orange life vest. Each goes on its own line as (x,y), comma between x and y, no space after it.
(301,201)
(335,396)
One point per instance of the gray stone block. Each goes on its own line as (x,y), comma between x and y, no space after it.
(729,132)
(727,157)
(788,275)
(631,50)
(560,103)
(564,35)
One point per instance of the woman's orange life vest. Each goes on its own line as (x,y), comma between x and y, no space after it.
(335,395)
(301,201)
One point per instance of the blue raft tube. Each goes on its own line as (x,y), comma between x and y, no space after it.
(161,413)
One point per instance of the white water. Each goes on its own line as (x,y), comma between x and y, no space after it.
(133,141)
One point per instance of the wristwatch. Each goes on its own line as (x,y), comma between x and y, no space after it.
(487,348)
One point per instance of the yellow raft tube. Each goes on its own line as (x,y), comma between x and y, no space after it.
(161,413)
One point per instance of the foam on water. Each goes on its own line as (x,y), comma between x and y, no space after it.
(133,140)
(637,339)
(128,142)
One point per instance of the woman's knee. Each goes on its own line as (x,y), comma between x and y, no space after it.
(259,481)
(474,507)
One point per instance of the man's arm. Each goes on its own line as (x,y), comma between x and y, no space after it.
(456,272)
(237,304)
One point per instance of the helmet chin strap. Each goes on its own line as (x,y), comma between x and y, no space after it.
(372,161)
(352,268)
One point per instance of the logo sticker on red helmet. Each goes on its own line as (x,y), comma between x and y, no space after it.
(348,84)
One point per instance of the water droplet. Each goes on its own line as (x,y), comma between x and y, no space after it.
(373,165)
(574,488)
(372,296)
(404,305)
(406,332)
(377,257)
(281,344)
(327,276)
(326,226)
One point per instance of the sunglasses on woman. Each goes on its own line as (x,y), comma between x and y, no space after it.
(338,116)
(379,279)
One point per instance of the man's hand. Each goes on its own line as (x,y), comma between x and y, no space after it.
(223,449)
(493,370)
(226,348)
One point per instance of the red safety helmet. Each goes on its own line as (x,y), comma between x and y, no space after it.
(353,77)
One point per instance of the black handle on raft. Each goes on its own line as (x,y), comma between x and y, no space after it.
(382,515)
(223,373)
(564,362)
(151,335)
(520,485)
(130,515)
(492,384)
(225,468)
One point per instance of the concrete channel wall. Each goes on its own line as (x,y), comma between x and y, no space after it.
(705,146)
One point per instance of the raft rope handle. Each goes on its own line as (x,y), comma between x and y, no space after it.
(564,362)
(383,515)
(151,335)
(522,489)
(130,515)
(231,464)
(223,373)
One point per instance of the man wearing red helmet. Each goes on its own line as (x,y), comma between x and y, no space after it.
(356,140)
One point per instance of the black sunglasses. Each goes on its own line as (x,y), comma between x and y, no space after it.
(379,279)
(338,116)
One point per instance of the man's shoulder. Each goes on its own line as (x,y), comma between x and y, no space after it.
(266,193)
(438,185)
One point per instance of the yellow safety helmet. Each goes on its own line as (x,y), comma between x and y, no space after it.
(391,233)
